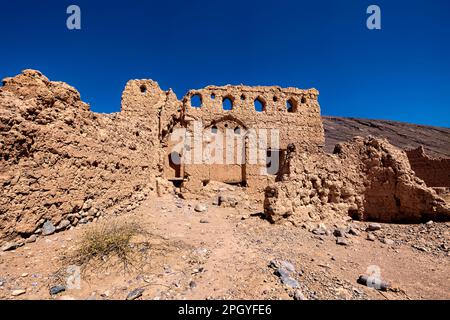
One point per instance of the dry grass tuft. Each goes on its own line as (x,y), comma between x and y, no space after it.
(104,241)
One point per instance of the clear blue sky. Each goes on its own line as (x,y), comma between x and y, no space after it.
(401,72)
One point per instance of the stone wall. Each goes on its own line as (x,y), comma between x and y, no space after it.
(367,179)
(434,171)
(287,115)
(301,122)
(62,164)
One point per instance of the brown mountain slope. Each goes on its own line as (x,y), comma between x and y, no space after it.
(435,140)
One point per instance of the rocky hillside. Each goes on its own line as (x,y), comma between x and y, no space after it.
(435,140)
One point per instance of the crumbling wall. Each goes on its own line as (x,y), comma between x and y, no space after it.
(62,163)
(366,179)
(434,171)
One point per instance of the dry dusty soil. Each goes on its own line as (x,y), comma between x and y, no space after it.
(225,253)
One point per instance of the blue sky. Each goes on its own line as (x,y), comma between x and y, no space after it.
(401,72)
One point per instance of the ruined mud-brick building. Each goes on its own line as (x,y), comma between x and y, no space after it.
(434,171)
(278,116)
(366,179)
(62,164)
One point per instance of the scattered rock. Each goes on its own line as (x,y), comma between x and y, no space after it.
(204,221)
(281,272)
(341,241)
(420,248)
(192,284)
(23,275)
(371,237)
(373,282)
(199,270)
(2,281)
(228,200)
(167,269)
(339,232)
(290,282)
(277,264)
(319,231)
(136,293)
(298,295)
(387,241)
(63,224)
(87,205)
(105,294)
(11,246)
(48,228)
(201,251)
(353,231)
(57,289)
(373,226)
(429,223)
(18,292)
(31,239)
(200,207)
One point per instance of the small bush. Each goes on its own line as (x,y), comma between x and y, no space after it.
(106,240)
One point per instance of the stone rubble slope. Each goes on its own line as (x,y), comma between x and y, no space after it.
(366,179)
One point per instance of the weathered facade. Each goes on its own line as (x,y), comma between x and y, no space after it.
(276,115)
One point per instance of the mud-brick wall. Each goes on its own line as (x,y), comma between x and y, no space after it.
(434,171)
(63,164)
(294,112)
(282,115)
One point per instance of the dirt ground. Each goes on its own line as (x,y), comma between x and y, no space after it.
(224,253)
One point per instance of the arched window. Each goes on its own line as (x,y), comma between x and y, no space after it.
(303,99)
(143,89)
(227,104)
(214,129)
(291,105)
(237,130)
(196,101)
(260,105)
(213,96)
